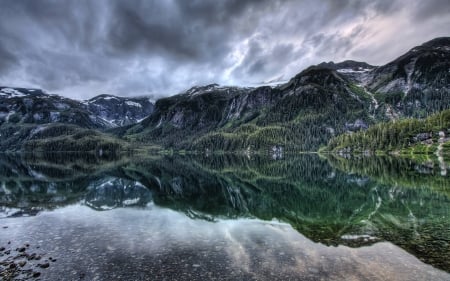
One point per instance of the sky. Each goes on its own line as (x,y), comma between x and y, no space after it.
(83,48)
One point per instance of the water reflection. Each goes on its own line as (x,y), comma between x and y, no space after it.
(160,244)
(112,192)
(334,201)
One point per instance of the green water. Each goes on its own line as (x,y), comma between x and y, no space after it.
(356,208)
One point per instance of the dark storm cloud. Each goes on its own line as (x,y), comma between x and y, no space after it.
(334,43)
(83,48)
(7,59)
(184,30)
(432,8)
(55,43)
(261,63)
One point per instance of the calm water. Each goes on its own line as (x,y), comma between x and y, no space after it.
(223,218)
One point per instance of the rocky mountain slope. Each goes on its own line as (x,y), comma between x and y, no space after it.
(414,85)
(423,67)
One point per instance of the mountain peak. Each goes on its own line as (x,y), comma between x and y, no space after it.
(204,88)
(211,88)
(103,97)
(347,64)
(314,75)
(438,42)
(12,92)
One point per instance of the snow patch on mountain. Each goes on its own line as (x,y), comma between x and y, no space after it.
(110,98)
(350,70)
(132,103)
(36,130)
(61,105)
(12,93)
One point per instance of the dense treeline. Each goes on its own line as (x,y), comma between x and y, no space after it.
(395,135)
(306,131)
(293,136)
(63,137)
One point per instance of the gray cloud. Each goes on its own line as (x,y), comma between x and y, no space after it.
(432,8)
(7,59)
(84,48)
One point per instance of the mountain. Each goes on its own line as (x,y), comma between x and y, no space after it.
(422,67)
(415,84)
(346,66)
(317,104)
(300,114)
(32,119)
(34,106)
(120,111)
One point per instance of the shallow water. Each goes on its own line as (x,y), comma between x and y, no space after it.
(225,218)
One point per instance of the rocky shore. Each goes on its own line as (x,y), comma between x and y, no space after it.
(24,262)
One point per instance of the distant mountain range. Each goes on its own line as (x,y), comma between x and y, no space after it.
(31,119)
(319,103)
(33,106)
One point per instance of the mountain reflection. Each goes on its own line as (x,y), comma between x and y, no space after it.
(333,201)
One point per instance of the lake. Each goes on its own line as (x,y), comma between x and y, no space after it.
(223,217)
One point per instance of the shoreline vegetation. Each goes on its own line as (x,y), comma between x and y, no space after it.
(409,137)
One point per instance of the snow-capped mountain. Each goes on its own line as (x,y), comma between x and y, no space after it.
(34,106)
(120,111)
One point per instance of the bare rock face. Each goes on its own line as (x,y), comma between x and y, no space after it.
(422,137)
(120,111)
(356,126)
(34,106)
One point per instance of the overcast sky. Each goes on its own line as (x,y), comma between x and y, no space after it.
(84,48)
